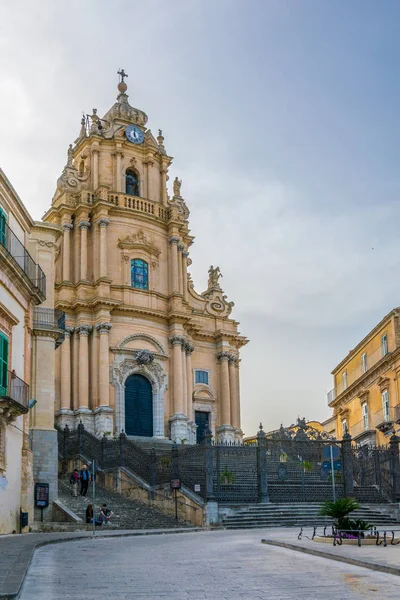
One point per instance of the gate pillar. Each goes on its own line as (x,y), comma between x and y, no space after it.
(347,459)
(262,482)
(211,515)
(395,466)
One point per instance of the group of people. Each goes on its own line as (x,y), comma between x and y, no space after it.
(83,477)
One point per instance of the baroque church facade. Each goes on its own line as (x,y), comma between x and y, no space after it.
(143,352)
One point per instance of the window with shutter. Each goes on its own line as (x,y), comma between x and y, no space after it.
(3,364)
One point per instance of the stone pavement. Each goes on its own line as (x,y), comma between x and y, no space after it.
(16,552)
(214,565)
(373,557)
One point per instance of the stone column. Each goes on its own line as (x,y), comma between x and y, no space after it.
(178,420)
(66,371)
(163,198)
(118,172)
(184,380)
(83,331)
(233,391)
(103,413)
(103,224)
(225,430)
(176,342)
(225,401)
(66,251)
(149,190)
(181,248)
(84,226)
(104,396)
(95,162)
(184,275)
(189,379)
(173,267)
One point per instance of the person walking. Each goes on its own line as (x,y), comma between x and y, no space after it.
(74,480)
(105,515)
(85,476)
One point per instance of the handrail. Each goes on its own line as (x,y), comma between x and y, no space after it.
(48,318)
(16,389)
(24,260)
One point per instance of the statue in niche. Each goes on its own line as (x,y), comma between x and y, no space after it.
(213,276)
(177,187)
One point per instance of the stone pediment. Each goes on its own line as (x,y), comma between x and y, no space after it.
(137,241)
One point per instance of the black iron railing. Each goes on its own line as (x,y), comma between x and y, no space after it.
(48,318)
(16,389)
(21,256)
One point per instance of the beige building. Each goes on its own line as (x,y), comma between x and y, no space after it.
(143,351)
(26,374)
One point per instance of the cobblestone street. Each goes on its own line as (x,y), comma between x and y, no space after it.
(198,566)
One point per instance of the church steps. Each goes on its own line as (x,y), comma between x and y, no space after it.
(288,515)
(128,514)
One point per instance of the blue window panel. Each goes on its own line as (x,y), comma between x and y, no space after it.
(201,377)
(139,274)
(131,183)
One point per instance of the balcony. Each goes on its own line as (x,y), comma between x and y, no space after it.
(385,419)
(14,397)
(360,370)
(21,256)
(50,319)
(363,432)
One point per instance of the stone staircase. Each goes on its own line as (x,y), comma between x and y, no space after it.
(291,515)
(128,514)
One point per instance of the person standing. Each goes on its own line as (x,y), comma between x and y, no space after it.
(74,480)
(85,476)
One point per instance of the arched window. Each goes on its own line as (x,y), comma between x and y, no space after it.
(131,183)
(139,274)
(82,168)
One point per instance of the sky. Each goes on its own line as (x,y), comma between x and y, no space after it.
(282,117)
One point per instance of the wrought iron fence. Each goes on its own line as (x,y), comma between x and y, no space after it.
(276,470)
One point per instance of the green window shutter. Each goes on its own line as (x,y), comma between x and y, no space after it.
(3,364)
(3,221)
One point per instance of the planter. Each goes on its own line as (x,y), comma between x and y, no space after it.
(347,542)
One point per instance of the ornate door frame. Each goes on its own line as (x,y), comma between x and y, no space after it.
(122,368)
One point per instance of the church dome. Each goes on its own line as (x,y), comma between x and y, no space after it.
(123,111)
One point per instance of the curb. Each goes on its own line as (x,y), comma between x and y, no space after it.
(20,569)
(328,555)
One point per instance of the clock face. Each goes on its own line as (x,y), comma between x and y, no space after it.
(134,134)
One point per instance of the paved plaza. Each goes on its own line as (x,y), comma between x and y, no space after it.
(197,566)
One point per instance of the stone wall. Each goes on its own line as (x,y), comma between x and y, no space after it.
(45,466)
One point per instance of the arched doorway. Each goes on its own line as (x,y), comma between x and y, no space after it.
(138,406)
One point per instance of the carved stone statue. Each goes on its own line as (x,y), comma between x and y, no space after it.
(177,187)
(213,276)
(70,156)
(144,357)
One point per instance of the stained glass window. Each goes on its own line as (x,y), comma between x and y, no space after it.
(201,377)
(131,183)
(139,274)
